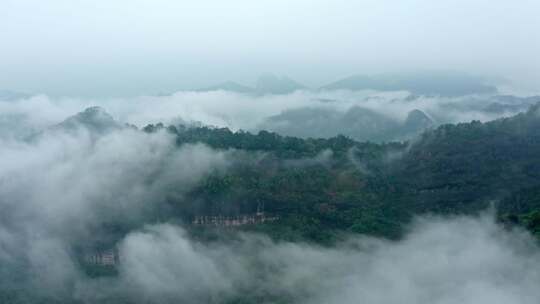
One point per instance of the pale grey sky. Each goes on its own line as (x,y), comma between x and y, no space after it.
(130,47)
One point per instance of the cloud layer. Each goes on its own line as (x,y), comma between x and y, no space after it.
(58,186)
(21,117)
(90,48)
(459,260)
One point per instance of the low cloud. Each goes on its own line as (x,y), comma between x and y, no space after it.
(22,117)
(59,185)
(441,260)
(56,189)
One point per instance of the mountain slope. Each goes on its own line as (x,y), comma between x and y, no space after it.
(94,119)
(374,188)
(359,123)
(433,83)
(464,166)
(271,84)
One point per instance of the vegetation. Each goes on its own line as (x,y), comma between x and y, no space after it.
(319,190)
(370,188)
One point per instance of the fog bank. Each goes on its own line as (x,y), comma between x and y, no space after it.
(301,113)
(60,185)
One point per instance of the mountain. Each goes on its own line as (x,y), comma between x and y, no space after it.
(510,104)
(304,122)
(367,125)
(375,188)
(359,123)
(265,84)
(417,121)
(316,190)
(271,84)
(429,83)
(450,84)
(318,187)
(466,166)
(93,119)
(229,86)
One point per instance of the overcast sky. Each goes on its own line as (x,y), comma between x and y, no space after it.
(130,47)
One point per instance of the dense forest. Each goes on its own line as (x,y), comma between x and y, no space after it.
(269,152)
(316,191)
(322,187)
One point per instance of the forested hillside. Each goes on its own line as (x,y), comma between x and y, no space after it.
(319,187)
(207,187)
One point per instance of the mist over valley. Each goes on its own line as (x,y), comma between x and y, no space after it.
(236,152)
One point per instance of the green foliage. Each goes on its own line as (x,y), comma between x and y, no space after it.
(320,188)
(365,187)
(361,188)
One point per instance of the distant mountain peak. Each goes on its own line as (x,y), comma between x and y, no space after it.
(272,84)
(265,84)
(417,120)
(95,119)
(430,83)
(417,115)
(94,111)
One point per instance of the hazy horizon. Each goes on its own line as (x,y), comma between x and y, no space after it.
(121,48)
(270,151)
